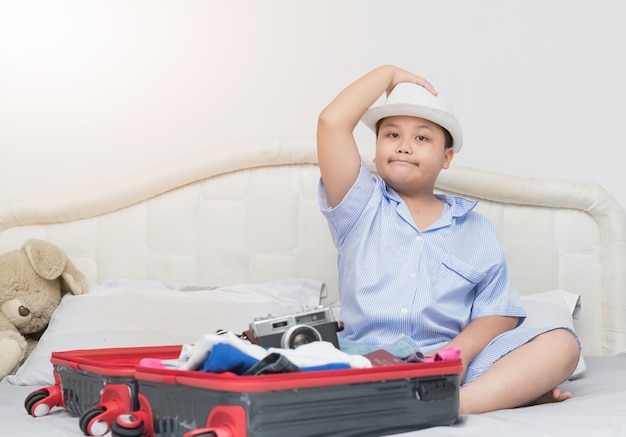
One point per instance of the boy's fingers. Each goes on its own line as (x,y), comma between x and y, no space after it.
(419,81)
(423,82)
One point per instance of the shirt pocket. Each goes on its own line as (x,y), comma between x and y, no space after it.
(454,285)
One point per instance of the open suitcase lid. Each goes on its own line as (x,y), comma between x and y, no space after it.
(112,361)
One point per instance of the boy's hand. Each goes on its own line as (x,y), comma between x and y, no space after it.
(400,75)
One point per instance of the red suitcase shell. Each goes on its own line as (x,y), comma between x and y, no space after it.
(350,402)
(98,385)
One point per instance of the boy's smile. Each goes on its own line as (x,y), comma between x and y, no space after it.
(401,161)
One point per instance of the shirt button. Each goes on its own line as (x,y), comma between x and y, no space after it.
(404,311)
(412,275)
(419,238)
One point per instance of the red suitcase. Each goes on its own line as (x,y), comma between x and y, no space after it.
(350,402)
(97,385)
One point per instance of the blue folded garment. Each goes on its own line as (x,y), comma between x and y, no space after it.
(227,358)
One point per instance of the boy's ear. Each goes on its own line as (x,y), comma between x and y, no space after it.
(447,158)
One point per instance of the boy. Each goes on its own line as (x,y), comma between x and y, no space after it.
(423,267)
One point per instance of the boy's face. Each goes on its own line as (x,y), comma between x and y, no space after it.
(410,153)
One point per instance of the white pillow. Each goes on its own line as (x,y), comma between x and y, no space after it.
(554,308)
(151,314)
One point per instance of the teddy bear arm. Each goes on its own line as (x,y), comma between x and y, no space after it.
(12,351)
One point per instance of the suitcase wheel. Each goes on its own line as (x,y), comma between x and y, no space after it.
(115,399)
(40,402)
(127,425)
(223,421)
(91,424)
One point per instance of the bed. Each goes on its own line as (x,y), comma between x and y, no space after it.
(213,240)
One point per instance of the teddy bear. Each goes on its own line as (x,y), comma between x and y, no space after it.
(32,281)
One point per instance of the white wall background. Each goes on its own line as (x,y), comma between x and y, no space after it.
(93,90)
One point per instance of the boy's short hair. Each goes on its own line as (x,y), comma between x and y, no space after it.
(448,142)
(413,100)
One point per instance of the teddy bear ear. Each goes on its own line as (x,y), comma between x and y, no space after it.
(50,262)
(74,281)
(47,259)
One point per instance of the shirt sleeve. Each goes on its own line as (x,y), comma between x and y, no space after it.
(496,294)
(342,218)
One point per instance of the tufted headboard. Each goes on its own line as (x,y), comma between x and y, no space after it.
(247,212)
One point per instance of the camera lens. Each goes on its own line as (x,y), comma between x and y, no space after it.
(299,335)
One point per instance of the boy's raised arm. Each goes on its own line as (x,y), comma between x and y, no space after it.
(337,152)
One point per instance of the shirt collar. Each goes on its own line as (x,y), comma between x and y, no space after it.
(455,206)
(458,206)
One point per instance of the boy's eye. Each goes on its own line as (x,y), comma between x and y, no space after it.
(392,135)
(420,138)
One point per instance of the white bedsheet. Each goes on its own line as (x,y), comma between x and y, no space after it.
(597,409)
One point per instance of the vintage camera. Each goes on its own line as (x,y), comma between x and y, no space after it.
(294,330)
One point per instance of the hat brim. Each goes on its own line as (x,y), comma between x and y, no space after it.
(442,118)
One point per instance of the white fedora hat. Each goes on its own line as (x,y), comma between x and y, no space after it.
(416,101)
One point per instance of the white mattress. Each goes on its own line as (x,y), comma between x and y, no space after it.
(597,409)
(247,213)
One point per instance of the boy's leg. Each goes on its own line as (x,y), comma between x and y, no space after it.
(527,374)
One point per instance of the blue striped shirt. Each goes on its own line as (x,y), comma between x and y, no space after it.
(395,279)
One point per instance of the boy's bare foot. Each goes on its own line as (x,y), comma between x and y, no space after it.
(554,395)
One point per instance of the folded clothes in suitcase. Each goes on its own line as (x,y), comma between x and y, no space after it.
(376,401)
(98,385)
